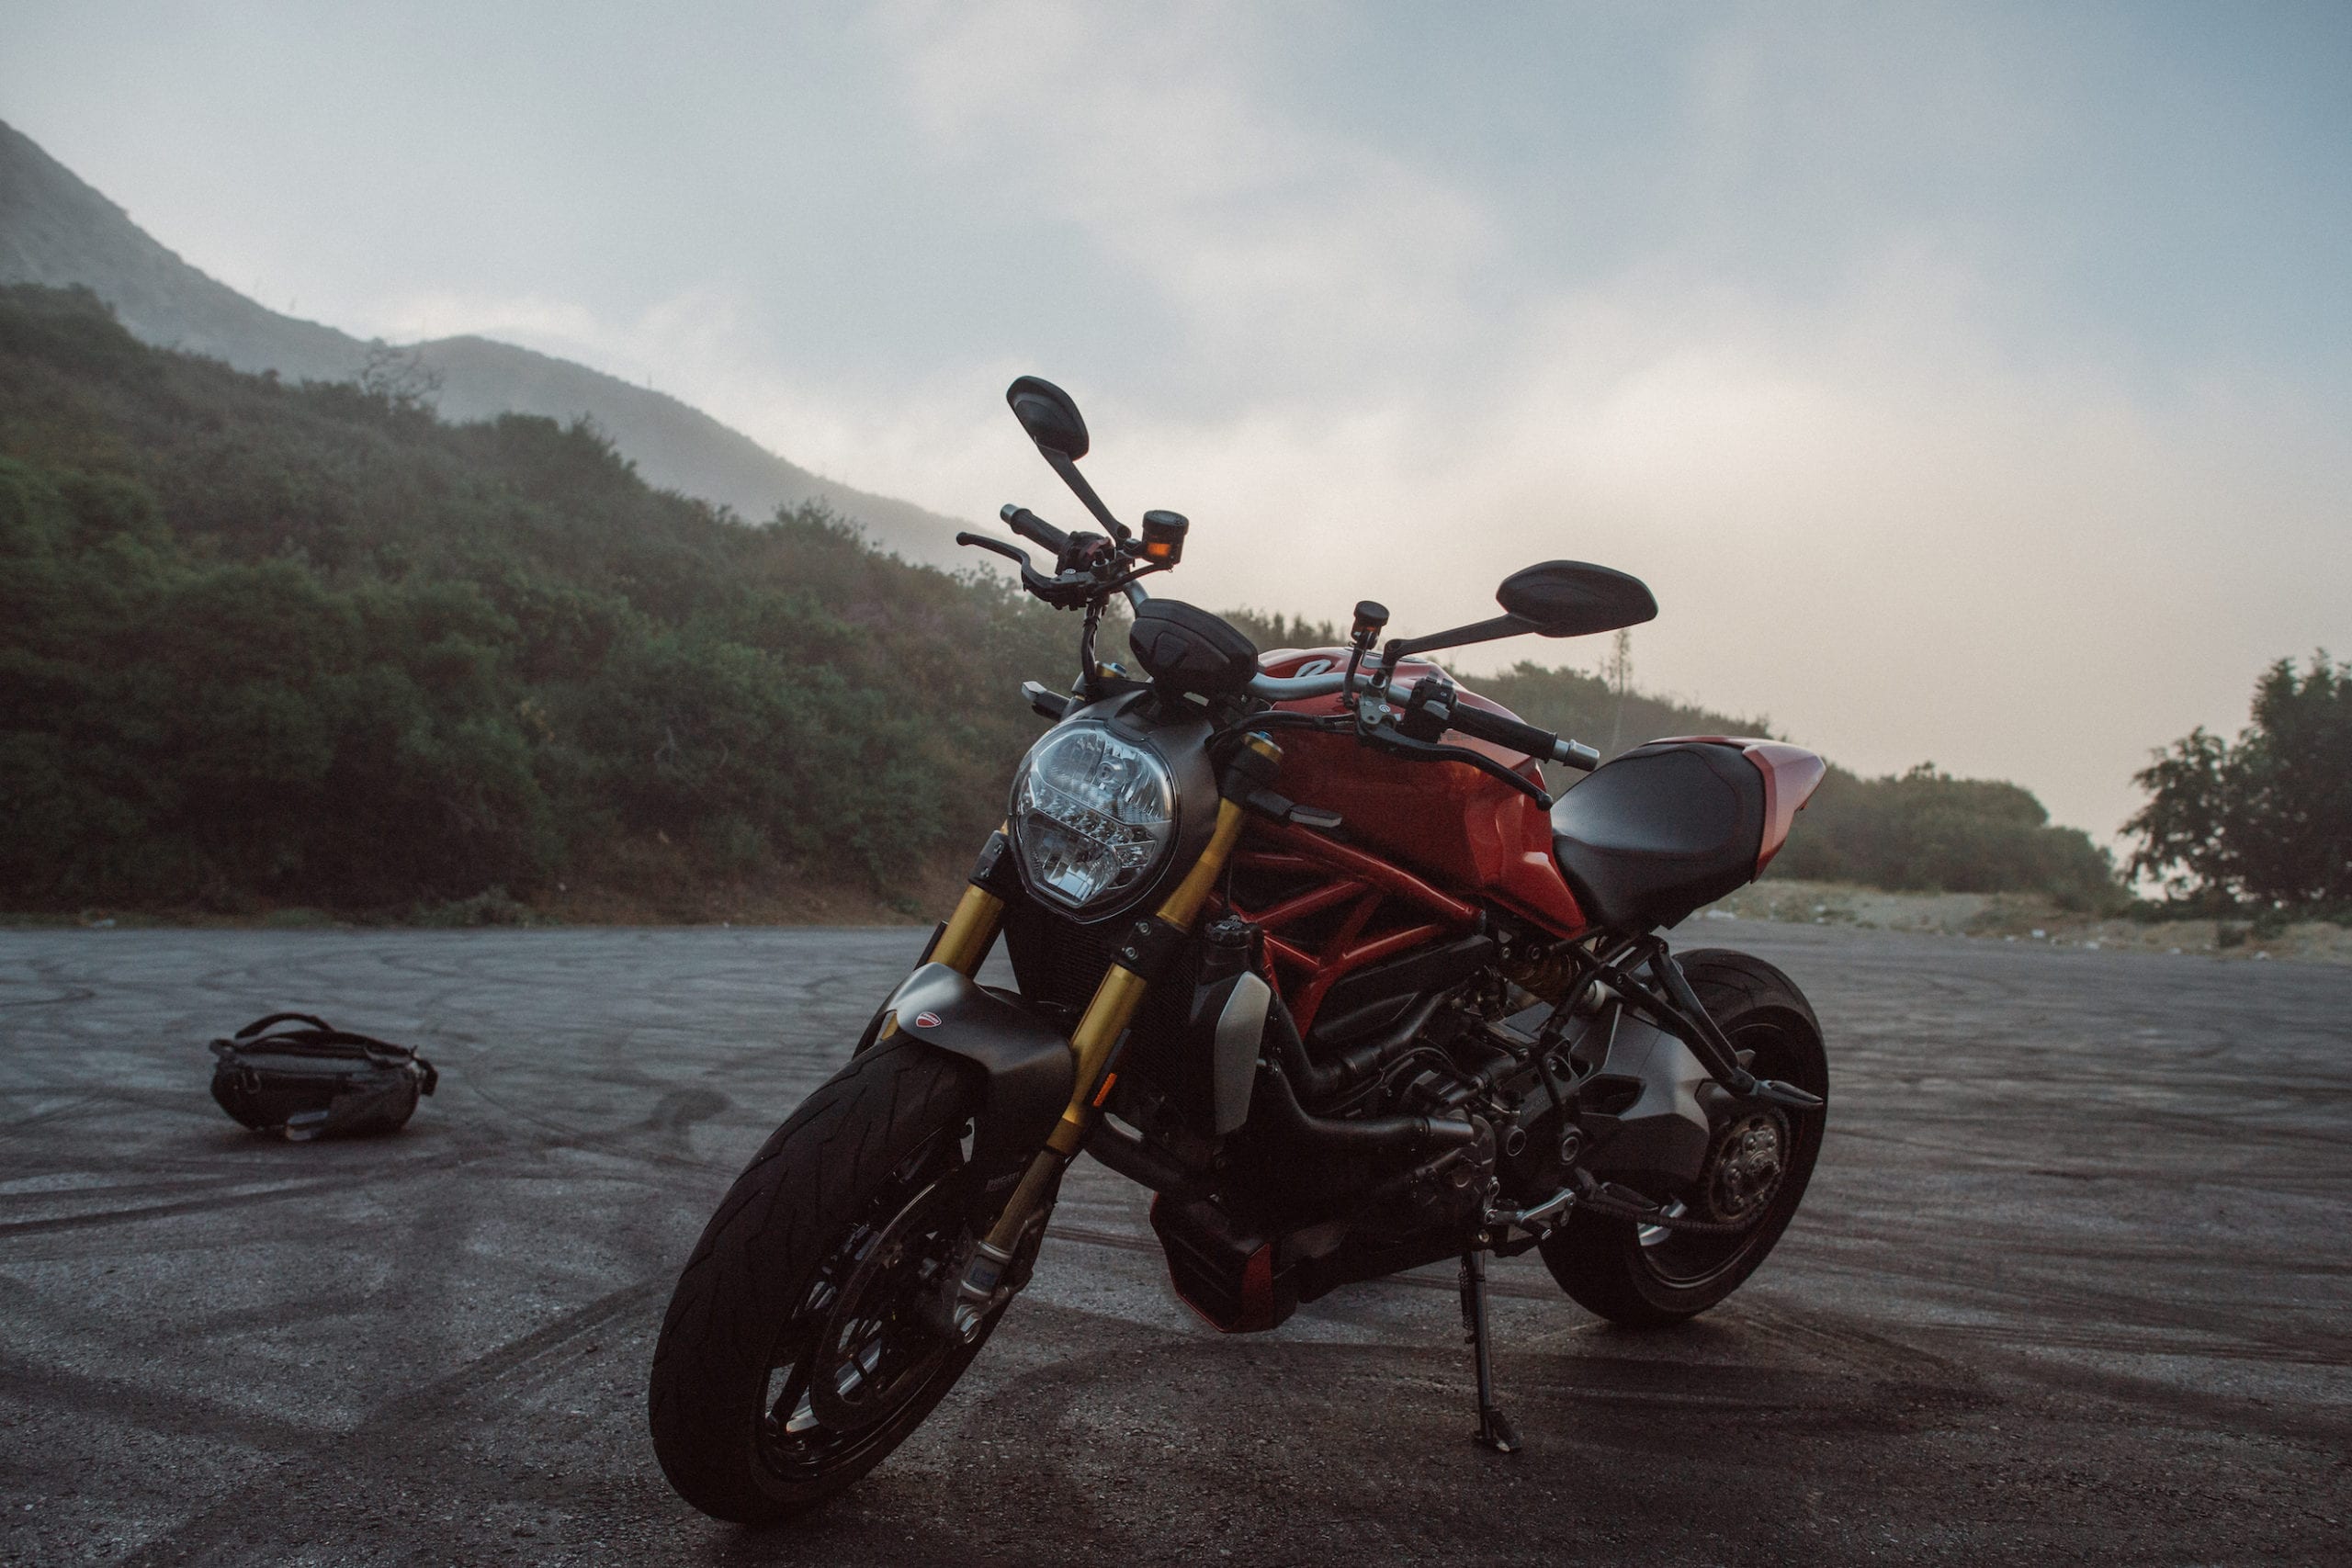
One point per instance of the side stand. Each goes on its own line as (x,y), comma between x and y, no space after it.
(1495,1430)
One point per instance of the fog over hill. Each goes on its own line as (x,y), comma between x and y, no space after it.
(57,231)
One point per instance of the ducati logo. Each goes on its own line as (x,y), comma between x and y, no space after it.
(926,1021)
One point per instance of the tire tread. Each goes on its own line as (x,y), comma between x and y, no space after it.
(755,1255)
(1595,1258)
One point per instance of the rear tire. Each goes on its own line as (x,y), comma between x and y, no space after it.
(1644,1277)
(794,1357)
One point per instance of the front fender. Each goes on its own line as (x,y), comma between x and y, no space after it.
(1029,1069)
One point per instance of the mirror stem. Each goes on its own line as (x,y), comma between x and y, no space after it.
(1481,631)
(1085,492)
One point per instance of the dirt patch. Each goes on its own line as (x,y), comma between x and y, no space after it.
(629,885)
(2023,918)
(640,885)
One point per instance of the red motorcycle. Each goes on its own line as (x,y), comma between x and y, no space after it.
(1305,946)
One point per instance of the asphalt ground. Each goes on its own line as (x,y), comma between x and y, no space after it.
(2072,1284)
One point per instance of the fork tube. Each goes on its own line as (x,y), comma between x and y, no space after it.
(971,930)
(1114,1007)
(1122,990)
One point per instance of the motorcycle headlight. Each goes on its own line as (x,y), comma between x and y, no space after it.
(1093,814)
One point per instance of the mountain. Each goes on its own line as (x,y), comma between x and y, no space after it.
(299,641)
(674,444)
(264,642)
(58,231)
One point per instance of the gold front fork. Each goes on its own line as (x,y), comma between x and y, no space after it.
(1122,990)
(964,942)
(1098,1032)
(970,930)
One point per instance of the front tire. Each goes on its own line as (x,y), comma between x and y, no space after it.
(801,1344)
(1645,1277)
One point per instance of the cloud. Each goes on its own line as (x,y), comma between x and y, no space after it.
(1276,241)
(693,338)
(1893,511)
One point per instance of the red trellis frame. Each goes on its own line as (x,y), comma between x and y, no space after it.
(1346,879)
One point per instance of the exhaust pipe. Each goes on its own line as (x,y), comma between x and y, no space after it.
(1372,1136)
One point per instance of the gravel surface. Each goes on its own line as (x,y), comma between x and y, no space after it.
(2072,1284)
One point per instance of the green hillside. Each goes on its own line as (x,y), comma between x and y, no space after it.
(306,644)
(267,645)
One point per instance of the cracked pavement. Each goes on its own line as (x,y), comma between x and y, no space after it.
(2071,1284)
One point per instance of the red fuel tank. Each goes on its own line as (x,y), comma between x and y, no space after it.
(1473,834)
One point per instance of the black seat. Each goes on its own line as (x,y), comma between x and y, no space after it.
(1660,830)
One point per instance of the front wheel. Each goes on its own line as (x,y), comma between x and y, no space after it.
(803,1340)
(1648,1276)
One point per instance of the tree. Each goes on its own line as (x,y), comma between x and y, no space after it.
(1618,671)
(1927,831)
(399,376)
(2267,820)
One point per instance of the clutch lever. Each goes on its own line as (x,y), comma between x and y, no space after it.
(1009,552)
(1064,591)
(1384,735)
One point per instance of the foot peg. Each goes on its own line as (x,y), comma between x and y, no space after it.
(1495,1430)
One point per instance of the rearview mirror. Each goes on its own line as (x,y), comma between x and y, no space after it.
(1556,598)
(1053,422)
(1049,416)
(1574,598)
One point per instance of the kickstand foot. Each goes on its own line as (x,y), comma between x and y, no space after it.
(1495,1430)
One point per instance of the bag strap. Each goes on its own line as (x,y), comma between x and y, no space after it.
(257,1025)
(321,1038)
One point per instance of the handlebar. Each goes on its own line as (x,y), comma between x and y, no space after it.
(1470,721)
(1517,736)
(1081,585)
(1084,568)
(1291,688)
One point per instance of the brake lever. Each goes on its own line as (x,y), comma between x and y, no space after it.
(1384,735)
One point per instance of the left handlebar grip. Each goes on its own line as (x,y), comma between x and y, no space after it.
(1501,731)
(1035,529)
(1538,743)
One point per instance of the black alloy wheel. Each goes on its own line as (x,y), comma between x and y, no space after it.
(867,1336)
(1648,1276)
(805,1338)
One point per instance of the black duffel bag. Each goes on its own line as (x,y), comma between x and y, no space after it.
(317,1082)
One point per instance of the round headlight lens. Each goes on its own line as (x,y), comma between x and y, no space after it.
(1093,815)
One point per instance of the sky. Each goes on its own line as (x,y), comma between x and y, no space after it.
(1973,383)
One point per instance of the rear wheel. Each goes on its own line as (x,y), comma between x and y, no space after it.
(803,1342)
(1647,1276)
